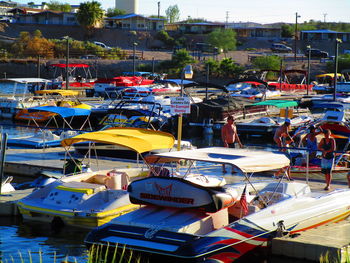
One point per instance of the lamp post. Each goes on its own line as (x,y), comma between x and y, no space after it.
(308,69)
(337,42)
(295,36)
(187,73)
(67,38)
(133,58)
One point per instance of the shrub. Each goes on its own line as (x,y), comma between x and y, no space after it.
(343,63)
(229,68)
(267,62)
(33,45)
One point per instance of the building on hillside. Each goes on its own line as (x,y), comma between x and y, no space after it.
(24,10)
(75,8)
(135,22)
(254,30)
(129,6)
(42,6)
(5,6)
(324,35)
(194,28)
(48,17)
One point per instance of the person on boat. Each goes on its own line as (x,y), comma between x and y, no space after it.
(327,146)
(229,136)
(282,137)
(310,141)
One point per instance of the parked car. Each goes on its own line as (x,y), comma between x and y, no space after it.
(102,45)
(276,47)
(316,53)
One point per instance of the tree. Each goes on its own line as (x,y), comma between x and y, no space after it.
(267,62)
(57,6)
(172,13)
(90,15)
(114,12)
(223,39)
(31,4)
(33,45)
(287,30)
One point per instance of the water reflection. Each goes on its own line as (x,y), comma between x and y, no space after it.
(18,238)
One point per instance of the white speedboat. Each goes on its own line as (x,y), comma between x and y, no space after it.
(272,119)
(20,98)
(89,199)
(192,222)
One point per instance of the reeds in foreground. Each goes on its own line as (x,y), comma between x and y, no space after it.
(329,258)
(96,254)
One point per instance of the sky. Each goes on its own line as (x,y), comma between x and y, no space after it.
(260,11)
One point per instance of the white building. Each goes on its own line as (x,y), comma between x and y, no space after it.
(129,6)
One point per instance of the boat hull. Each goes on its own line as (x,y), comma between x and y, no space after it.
(183,234)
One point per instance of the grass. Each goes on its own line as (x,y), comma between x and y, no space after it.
(96,254)
(329,258)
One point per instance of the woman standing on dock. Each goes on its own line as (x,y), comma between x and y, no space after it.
(327,146)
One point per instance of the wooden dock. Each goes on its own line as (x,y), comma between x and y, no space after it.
(331,241)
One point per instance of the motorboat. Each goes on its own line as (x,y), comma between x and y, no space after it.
(251,89)
(79,76)
(332,116)
(185,221)
(59,116)
(292,80)
(130,113)
(113,87)
(324,83)
(42,138)
(86,198)
(101,148)
(30,114)
(20,97)
(268,123)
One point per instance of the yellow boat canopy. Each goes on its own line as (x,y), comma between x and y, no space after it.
(137,139)
(328,75)
(58,91)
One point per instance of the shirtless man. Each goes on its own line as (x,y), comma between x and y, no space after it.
(229,136)
(282,132)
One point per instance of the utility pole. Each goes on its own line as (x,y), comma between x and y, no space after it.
(324,17)
(158,9)
(227,16)
(296,36)
(337,42)
(67,61)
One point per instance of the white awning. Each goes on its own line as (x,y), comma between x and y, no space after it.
(246,160)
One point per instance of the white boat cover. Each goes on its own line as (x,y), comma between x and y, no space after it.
(246,160)
(25,80)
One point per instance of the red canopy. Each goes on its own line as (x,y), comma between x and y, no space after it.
(71,65)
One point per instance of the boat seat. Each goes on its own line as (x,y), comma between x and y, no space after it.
(83,187)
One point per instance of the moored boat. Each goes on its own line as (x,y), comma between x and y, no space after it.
(91,198)
(190,222)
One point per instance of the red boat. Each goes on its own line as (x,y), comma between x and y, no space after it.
(292,80)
